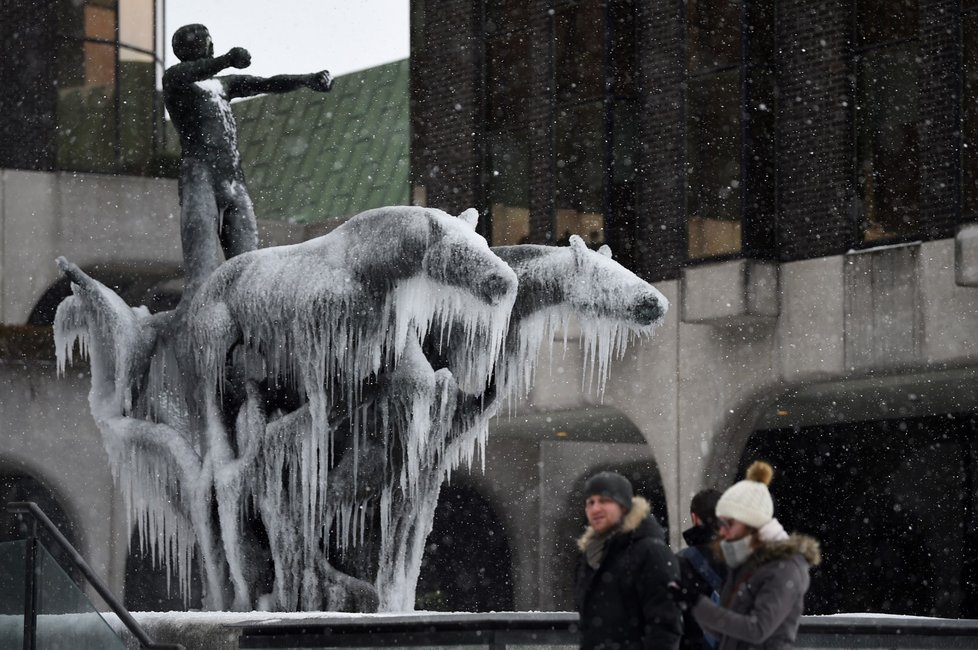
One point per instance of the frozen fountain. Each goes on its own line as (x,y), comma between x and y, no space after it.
(286,430)
(326,390)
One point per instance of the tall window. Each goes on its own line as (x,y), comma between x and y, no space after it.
(714,136)
(579,151)
(969,112)
(109,115)
(507,60)
(594,53)
(887,155)
(593,108)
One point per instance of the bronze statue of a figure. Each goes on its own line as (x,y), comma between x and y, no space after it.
(216,210)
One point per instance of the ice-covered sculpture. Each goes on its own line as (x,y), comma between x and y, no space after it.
(558,288)
(307,404)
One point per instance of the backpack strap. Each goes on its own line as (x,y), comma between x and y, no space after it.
(702,567)
(700,564)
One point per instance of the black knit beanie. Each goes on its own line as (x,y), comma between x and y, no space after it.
(611,485)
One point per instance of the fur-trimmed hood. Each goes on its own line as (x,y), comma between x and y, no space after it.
(633,519)
(807,547)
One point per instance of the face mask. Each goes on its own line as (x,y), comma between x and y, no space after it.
(736,553)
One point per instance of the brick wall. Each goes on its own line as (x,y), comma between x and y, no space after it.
(939,110)
(815,133)
(446,101)
(540,121)
(28,99)
(660,195)
(813,210)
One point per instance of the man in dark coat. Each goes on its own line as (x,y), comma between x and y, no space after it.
(700,565)
(623,571)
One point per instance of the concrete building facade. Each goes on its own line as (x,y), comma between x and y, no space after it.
(797,179)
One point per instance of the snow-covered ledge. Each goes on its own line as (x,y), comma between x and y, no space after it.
(966,256)
(731,293)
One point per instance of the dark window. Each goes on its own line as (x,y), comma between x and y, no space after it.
(621,18)
(508,190)
(714,142)
(969,112)
(505,16)
(593,104)
(508,77)
(580,162)
(507,134)
(593,151)
(580,32)
(621,231)
(713,34)
(714,129)
(109,116)
(887,156)
(884,21)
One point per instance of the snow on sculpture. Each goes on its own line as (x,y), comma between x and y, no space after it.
(325,391)
(558,287)
(336,310)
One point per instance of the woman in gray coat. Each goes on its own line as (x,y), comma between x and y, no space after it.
(764,594)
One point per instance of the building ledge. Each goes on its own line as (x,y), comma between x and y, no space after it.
(966,256)
(729,293)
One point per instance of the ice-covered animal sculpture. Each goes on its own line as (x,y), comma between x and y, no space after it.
(334,311)
(558,287)
(325,391)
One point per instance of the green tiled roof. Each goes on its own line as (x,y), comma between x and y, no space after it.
(310,157)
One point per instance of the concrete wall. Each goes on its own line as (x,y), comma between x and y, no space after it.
(739,335)
(88,218)
(47,432)
(91,219)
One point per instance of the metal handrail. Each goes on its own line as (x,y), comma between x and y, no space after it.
(32,509)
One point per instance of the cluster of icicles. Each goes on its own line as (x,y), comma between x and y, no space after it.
(362,460)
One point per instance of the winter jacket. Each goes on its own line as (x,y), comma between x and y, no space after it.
(762,600)
(624,604)
(700,539)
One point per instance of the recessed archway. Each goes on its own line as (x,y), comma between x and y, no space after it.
(882,470)
(467,560)
(892,503)
(19,485)
(157,286)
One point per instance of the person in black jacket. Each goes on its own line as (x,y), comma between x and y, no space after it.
(623,572)
(700,565)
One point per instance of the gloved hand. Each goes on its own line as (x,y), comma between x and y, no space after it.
(686,593)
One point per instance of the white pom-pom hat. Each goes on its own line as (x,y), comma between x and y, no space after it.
(749,501)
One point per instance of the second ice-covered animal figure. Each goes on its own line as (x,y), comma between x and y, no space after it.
(558,287)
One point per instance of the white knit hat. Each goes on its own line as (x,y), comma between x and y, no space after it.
(749,501)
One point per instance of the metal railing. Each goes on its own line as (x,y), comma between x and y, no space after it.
(559,631)
(32,579)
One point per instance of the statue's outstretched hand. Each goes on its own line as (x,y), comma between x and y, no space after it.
(320,81)
(239,57)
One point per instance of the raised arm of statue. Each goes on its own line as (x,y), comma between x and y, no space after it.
(246,86)
(194,70)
